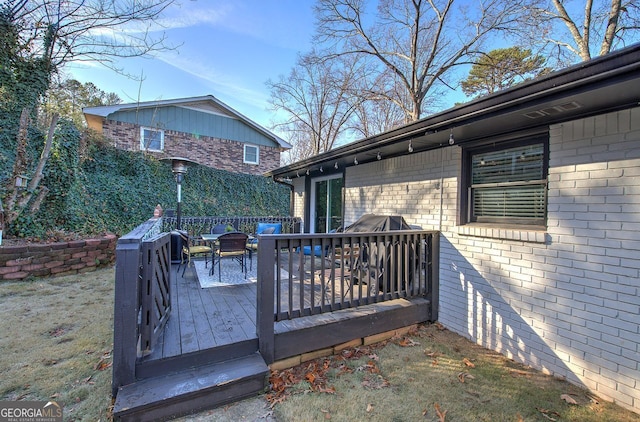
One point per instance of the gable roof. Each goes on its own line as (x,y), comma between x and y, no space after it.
(600,85)
(206,103)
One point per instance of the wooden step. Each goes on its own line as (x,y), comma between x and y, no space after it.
(192,390)
(147,368)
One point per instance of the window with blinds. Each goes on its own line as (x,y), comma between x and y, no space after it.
(509,185)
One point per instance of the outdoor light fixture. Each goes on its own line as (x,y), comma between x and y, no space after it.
(335,166)
(378,157)
(410,146)
(21,181)
(321,169)
(297,174)
(355,161)
(179,169)
(307,172)
(451,140)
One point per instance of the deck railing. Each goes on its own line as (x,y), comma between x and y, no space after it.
(141,303)
(245,224)
(311,274)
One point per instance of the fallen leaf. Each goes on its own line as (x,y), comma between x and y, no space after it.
(468,363)
(547,413)
(440,413)
(375,383)
(464,375)
(102,365)
(568,399)
(369,408)
(347,353)
(310,377)
(407,342)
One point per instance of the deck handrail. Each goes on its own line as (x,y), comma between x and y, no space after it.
(245,224)
(131,302)
(300,272)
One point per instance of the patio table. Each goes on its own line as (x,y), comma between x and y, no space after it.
(212,238)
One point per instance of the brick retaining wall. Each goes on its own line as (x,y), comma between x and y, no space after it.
(60,258)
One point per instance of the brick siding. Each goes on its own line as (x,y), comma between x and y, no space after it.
(53,259)
(217,153)
(564,300)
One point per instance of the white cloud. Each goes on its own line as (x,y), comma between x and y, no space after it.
(221,83)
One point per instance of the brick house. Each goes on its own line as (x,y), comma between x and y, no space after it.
(535,191)
(202,129)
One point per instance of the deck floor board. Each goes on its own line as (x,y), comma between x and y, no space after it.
(206,318)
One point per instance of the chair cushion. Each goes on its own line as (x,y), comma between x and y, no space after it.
(262,226)
(317,250)
(199,249)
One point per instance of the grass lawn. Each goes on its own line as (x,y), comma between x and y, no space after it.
(57,339)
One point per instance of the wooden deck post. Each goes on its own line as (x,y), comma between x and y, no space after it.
(265,293)
(125,318)
(434,275)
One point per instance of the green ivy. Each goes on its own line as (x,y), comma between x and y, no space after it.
(113,191)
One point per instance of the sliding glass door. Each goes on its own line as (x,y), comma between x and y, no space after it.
(326,204)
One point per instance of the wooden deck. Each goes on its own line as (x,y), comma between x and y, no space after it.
(209,318)
(212,346)
(218,323)
(206,318)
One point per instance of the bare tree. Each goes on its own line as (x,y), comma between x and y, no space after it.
(377,114)
(38,37)
(586,28)
(97,30)
(415,43)
(315,99)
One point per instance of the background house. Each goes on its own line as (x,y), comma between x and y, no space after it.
(202,129)
(536,193)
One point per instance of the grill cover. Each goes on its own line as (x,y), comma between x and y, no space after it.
(378,223)
(376,256)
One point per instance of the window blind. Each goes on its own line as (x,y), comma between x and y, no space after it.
(509,184)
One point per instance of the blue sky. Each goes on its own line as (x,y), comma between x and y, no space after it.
(228,49)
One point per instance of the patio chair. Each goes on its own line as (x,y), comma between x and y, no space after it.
(340,260)
(219,229)
(262,228)
(192,246)
(231,245)
(252,244)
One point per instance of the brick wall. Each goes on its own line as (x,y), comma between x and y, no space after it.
(61,258)
(217,153)
(564,300)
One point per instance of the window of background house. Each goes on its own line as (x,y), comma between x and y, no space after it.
(151,139)
(251,154)
(507,183)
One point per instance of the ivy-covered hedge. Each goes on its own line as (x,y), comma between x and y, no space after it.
(95,188)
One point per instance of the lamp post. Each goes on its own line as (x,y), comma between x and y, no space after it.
(179,169)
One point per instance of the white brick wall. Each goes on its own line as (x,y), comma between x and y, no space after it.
(566,301)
